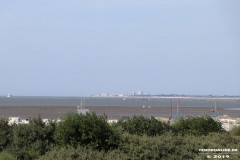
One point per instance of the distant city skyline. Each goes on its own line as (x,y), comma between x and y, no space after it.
(77,48)
(149,94)
(134,94)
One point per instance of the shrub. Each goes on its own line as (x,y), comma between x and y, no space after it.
(89,131)
(197,125)
(5,133)
(171,146)
(7,156)
(31,140)
(140,125)
(166,146)
(81,153)
(235,131)
(77,137)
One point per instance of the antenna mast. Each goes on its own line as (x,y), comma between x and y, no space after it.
(82,103)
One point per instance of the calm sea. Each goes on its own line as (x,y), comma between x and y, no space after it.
(101,101)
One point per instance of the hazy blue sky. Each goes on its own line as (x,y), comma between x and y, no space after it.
(81,47)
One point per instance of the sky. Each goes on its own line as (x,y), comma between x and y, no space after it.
(79,47)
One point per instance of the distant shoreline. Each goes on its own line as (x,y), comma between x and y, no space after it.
(168,98)
(235,99)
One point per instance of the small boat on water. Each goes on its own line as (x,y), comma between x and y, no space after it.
(124,99)
(9,95)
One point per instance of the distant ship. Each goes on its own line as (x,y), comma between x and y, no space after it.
(9,95)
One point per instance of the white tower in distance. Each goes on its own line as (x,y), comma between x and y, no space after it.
(140,92)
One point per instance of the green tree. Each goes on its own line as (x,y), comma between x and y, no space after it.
(140,125)
(86,130)
(197,125)
(31,140)
(5,133)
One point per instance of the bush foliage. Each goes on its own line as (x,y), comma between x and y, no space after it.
(140,125)
(197,125)
(5,133)
(90,131)
(91,137)
(235,131)
(171,146)
(7,156)
(81,153)
(167,146)
(31,140)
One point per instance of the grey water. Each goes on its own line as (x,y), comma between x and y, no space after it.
(108,101)
(235,109)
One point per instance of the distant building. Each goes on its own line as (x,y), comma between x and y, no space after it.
(83,111)
(133,94)
(140,92)
(104,94)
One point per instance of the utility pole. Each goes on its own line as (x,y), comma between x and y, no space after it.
(171,108)
(82,103)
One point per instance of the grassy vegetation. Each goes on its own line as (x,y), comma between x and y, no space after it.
(91,137)
(235,131)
